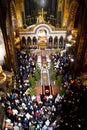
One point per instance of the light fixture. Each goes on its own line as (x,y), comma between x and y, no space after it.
(69,38)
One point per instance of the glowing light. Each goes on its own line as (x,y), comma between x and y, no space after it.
(68,45)
(42,3)
(72,60)
(69,37)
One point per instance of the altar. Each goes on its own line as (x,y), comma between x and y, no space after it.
(42,45)
(42,35)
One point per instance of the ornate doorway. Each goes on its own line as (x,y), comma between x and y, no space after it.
(42,39)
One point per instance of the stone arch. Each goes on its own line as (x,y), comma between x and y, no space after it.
(34,40)
(42,26)
(61,42)
(50,39)
(23,41)
(42,29)
(29,41)
(50,42)
(72,13)
(55,42)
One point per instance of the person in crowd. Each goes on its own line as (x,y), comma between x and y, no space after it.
(53,112)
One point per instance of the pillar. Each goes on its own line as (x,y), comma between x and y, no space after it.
(58,42)
(52,42)
(11,41)
(66,13)
(72,13)
(20,12)
(60,4)
(81,43)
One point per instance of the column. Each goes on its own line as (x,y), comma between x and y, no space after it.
(58,43)
(20,12)
(81,43)
(66,13)
(47,42)
(72,14)
(60,4)
(37,42)
(11,41)
(31,42)
(26,41)
(52,42)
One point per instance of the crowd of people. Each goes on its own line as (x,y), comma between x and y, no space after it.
(74,105)
(32,112)
(41,112)
(27,65)
(24,111)
(73,111)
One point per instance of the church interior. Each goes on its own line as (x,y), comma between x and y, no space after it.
(43,64)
